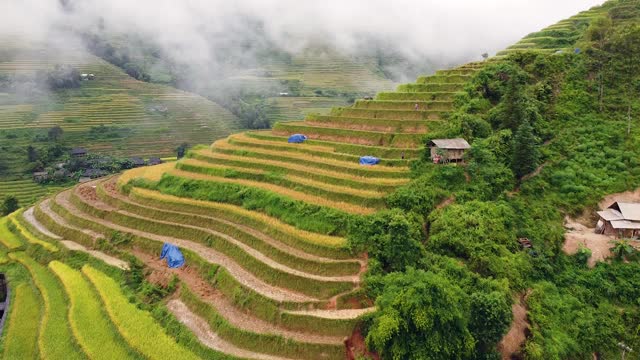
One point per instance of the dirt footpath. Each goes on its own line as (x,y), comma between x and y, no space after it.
(512,342)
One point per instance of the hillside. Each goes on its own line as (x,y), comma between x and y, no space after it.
(295,251)
(113,114)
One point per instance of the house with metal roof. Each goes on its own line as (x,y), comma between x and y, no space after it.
(620,219)
(447,150)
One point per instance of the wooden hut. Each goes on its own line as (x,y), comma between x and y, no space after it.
(78,152)
(447,150)
(620,219)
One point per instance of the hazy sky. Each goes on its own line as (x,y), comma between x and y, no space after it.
(451,29)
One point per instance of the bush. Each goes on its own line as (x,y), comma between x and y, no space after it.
(392,237)
(421,315)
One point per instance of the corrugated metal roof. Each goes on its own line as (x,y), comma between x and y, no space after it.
(610,215)
(625,225)
(630,211)
(453,144)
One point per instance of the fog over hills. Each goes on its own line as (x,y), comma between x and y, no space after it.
(205,33)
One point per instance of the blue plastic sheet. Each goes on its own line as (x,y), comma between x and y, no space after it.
(577,51)
(369,160)
(173,255)
(297,138)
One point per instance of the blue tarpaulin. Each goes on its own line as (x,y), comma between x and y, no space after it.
(577,51)
(173,255)
(297,138)
(369,160)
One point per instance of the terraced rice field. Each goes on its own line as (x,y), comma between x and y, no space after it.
(260,222)
(143,119)
(301,288)
(560,37)
(26,191)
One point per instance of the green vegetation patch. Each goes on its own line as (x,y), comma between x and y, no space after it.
(22,330)
(137,327)
(90,324)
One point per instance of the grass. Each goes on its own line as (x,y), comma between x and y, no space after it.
(354,195)
(422,87)
(390,114)
(8,238)
(326,176)
(21,340)
(90,325)
(264,343)
(26,191)
(405,105)
(248,237)
(63,230)
(272,275)
(137,327)
(299,213)
(389,155)
(419,96)
(27,235)
(55,338)
(371,138)
(370,124)
(349,157)
(282,191)
(319,244)
(316,160)
(152,173)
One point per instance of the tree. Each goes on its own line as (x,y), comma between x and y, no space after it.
(55,133)
(182,150)
(32,153)
(625,47)
(525,152)
(598,33)
(9,205)
(392,238)
(490,318)
(421,315)
(622,249)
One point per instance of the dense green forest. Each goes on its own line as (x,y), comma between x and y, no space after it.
(445,277)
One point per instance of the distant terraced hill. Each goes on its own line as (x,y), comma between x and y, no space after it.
(148,119)
(262,225)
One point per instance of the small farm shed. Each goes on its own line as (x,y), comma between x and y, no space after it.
(154,161)
(620,219)
(445,150)
(137,162)
(40,176)
(78,152)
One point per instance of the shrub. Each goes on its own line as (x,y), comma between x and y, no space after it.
(391,237)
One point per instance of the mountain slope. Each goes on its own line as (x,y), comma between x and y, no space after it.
(269,231)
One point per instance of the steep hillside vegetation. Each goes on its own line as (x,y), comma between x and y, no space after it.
(295,251)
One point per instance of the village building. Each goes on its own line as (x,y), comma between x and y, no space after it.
(154,161)
(137,162)
(78,152)
(621,220)
(447,150)
(40,176)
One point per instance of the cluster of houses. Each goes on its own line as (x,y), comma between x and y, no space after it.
(60,171)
